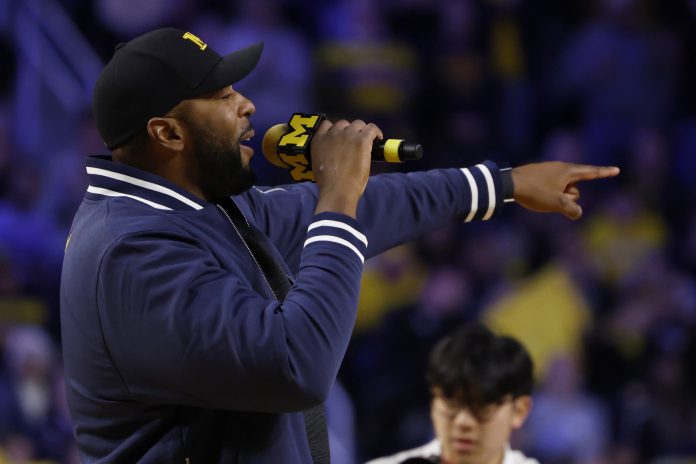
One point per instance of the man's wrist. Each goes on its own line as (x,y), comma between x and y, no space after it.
(338,203)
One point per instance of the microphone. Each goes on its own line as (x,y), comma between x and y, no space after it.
(288,146)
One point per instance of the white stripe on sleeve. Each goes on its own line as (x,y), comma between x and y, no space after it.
(491,190)
(338,225)
(474,194)
(331,238)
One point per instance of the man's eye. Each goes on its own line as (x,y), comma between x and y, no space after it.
(226,96)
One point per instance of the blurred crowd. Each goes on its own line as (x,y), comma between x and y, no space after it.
(606,305)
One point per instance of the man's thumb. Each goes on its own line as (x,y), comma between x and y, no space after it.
(571,209)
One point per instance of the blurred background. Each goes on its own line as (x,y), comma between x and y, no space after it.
(606,305)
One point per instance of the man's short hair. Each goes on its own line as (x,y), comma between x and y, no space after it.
(478,368)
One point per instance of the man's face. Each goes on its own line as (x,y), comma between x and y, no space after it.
(476,439)
(217,125)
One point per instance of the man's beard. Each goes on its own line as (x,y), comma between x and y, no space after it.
(220,169)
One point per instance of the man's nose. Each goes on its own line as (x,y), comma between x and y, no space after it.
(246,107)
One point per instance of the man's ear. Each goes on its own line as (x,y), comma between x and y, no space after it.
(167,132)
(520,410)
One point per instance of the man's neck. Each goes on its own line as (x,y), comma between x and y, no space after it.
(169,168)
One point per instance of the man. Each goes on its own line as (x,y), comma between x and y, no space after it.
(203,319)
(481,385)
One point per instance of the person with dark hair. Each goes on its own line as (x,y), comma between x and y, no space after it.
(481,385)
(204,319)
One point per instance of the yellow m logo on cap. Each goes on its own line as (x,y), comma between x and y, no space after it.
(188,36)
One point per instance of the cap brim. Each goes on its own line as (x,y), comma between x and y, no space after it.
(231,68)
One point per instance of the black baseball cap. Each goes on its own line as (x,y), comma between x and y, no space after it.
(154,72)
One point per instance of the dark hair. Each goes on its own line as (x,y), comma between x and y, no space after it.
(478,368)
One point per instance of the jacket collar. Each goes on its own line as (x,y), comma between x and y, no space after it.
(108,179)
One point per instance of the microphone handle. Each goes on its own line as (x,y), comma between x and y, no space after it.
(395,151)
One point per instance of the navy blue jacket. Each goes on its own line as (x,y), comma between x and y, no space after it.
(175,348)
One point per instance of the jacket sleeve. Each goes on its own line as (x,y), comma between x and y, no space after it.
(181,330)
(395,207)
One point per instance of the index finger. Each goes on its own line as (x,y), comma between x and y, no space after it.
(324,126)
(589,172)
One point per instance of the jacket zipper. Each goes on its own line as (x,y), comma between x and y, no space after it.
(248,249)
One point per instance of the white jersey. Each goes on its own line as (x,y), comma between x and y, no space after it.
(432,451)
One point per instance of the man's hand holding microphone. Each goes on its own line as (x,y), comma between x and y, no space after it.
(341,163)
